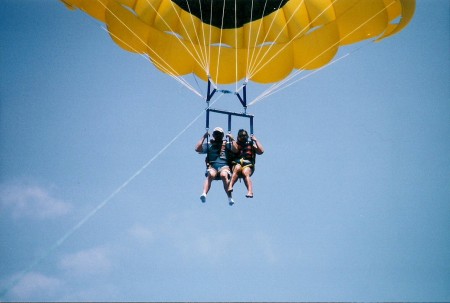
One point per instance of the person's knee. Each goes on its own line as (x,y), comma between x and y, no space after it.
(224,174)
(247,172)
(212,173)
(237,168)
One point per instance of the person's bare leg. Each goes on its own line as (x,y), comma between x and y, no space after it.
(224,175)
(246,172)
(234,177)
(207,184)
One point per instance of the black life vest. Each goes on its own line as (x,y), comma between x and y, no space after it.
(246,151)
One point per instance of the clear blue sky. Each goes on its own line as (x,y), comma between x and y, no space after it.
(352,196)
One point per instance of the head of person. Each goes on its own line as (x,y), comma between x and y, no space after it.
(218,134)
(242,135)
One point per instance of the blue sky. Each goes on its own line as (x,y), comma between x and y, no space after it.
(99,202)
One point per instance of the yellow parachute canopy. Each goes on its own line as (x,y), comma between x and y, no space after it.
(231,40)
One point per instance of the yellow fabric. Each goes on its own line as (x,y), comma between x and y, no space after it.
(303,34)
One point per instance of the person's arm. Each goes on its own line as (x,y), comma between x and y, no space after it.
(234,146)
(259,147)
(199,145)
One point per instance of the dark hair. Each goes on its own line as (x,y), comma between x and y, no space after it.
(242,132)
(217,139)
(217,133)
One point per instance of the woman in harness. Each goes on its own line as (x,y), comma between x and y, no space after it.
(217,162)
(244,162)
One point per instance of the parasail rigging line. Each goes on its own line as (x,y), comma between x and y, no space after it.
(292,78)
(250,39)
(179,79)
(253,56)
(93,212)
(286,80)
(206,50)
(301,33)
(202,57)
(257,62)
(236,44)
(166,65)
(210,36)
(143,42)
(257,67)
(220,42)
(279,88)
(164,68)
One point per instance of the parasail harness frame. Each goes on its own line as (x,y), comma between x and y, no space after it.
(242,100)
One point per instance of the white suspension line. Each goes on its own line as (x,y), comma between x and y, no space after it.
(220,43)
(270,92)
(179,79)
(101,205)
(236,43)
(249,39)
(254,53)
(200,55)
(210,37)
(257,66)
(205,48)
(337,43)
(267,34)
(143,42)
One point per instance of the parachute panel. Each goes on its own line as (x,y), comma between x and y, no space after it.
(275,63)
(405,15)
(317,48)
(125,29)
(165,51)
(363,20)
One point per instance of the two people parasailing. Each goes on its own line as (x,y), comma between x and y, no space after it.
(229,160)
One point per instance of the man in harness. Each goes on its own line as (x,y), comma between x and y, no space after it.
(244,163)
(218,153)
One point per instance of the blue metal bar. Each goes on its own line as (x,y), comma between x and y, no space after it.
(210,93)
(230,113)
(207,118)
(242,99)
